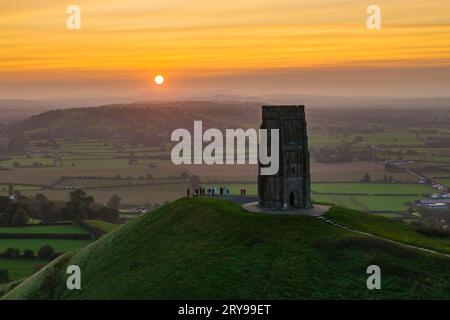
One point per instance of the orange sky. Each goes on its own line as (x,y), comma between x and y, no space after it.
(242,47)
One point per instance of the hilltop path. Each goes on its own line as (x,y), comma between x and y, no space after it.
(326,220)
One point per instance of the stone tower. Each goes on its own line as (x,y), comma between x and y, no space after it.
(290,188)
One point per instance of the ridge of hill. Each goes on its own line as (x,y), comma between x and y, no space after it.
(132,120)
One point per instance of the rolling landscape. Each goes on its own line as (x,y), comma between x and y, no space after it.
(379,167)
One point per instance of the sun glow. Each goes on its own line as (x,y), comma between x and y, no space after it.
(159,79)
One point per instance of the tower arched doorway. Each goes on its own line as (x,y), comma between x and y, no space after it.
(292,199)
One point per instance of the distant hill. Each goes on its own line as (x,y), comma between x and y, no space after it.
(138,121)
(211,249)
(147,122)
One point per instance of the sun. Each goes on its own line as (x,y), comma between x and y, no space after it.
(159,79)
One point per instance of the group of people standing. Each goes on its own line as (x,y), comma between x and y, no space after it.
(212,191)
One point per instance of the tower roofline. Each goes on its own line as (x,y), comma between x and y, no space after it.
(283,112)
(285,106)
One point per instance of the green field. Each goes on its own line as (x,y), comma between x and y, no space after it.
(211,249)
(57,229)
(354,171)
(367,203)
(26,162)
(95,163)
(324,140)
(21,268)
(35,244)
(371,188)
(390,137)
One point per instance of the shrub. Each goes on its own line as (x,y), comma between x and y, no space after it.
(20,218)
(28,254)
(107,214)
(46,252)
(11,253)
(94,231)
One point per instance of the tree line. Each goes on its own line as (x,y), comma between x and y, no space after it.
(80,206)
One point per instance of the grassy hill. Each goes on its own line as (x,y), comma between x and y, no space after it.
(206,248)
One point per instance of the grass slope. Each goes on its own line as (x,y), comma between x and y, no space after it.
(206,248)
(386,228)
(6,287)
(102,225)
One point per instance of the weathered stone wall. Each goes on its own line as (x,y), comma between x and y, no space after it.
(291,186)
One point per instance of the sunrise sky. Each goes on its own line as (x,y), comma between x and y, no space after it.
(223,47)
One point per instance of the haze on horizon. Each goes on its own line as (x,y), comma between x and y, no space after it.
(246,48)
